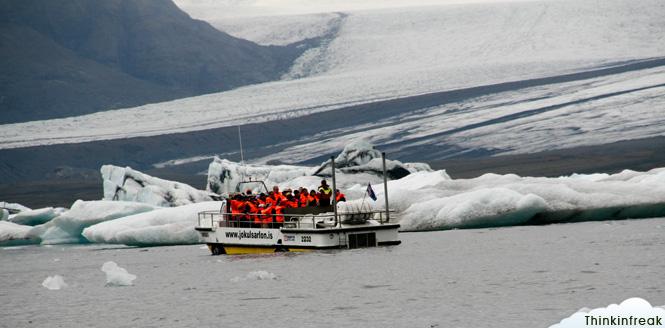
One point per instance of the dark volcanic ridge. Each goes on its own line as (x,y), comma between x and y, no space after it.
(72,57)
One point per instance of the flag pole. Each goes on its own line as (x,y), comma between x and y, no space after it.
(385,186)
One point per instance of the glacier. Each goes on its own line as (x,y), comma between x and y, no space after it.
(384,53)
(130,185)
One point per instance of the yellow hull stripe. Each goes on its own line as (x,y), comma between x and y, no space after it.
(236,250)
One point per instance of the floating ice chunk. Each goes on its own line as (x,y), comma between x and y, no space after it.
(130,185)
(256,275)
(360,156)
(426,202)
(54,283)
(117,276)
(67,227)
(16,234)
(13,207)
(166,226)
(36,217)
(633,312)
(478,208)
(224,175)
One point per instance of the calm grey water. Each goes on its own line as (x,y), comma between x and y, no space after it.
(508,277)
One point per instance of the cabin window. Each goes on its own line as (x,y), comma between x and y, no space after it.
(361,240)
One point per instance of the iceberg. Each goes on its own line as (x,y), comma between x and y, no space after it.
(13,208)
(358,163)
(12,234)
(433,201)
(224,175)
(54,283)
(361,156)
(116,275)
(166,226)
(67,227)
(130,185)
(37,216)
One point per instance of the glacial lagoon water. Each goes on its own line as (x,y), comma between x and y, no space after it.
(529,276)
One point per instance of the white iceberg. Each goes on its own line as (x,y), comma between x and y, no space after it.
(358,163)
(13,208)
(130,185)
(4,214)
(633,312)
(37,216)
(117,276)
(67,227)
(224,175)
(425,202)
(54,283)
(361,157)
(16,234)
(166,226)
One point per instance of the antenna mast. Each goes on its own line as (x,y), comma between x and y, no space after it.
(242,158)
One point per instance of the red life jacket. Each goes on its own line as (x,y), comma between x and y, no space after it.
(252,209)
(312,200)
(303,200)
(340,197)
(279,211)
(267,217)
(236,209)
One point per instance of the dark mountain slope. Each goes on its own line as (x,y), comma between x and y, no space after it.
(72,57)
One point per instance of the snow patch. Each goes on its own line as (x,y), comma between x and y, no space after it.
(117,276)
(54,282)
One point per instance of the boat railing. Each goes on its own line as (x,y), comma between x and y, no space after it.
(216,219)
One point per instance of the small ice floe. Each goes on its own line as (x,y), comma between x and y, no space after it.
(256,275)
(54,283)
(117,276)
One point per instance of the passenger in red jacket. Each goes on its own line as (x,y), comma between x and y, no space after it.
(339,196)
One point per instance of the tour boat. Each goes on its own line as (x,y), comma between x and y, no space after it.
(303,229)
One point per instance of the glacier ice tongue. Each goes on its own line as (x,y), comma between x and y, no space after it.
(116,275)
(131,185)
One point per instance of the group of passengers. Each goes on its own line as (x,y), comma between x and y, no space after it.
(252,210)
